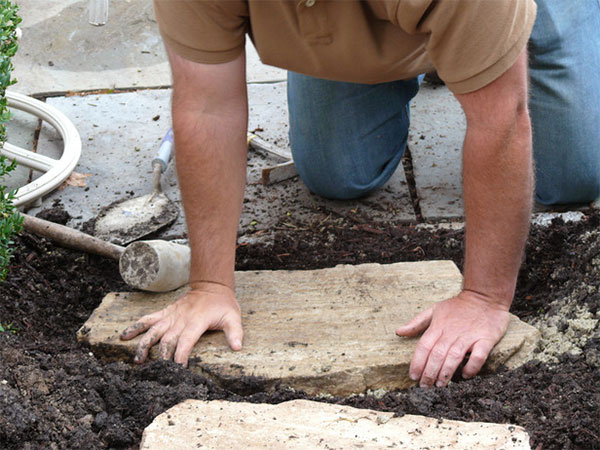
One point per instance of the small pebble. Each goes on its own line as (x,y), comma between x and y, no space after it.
(88,419)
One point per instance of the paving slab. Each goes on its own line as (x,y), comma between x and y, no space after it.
(59,51)
(436,136)
(302,424)
(121,132)
(328,331)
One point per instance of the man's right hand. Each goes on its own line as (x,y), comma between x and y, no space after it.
(210,118)
(207,306)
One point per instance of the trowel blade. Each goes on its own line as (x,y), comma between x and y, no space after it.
(128,220)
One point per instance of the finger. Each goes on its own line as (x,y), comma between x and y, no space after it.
(416,325)
(168,344)
(151,337)
(234,332)
(421,355)
(139,327)
(479,353)
(436,358)
(454,357)
(186,342)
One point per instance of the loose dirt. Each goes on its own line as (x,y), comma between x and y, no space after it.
(55,394)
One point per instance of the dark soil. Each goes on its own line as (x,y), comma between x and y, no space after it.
(55,394)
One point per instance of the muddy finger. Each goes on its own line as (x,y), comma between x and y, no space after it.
(140,326)
(168,344)
(135,329)
(151,337)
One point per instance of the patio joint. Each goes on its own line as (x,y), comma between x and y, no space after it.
(407,164)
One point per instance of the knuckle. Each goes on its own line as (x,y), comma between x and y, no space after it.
(424,347)
(168,339)
(145,321)
(152,336)
(234,316)
(478,358)
(139,325)
(145,341)
(163,344)
(456,353)
(438,353)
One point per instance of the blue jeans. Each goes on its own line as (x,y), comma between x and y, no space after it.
(564,63)
(347,139)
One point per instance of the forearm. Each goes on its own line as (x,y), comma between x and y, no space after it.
(211,165)
(498,195)
(498,190)
(210,120)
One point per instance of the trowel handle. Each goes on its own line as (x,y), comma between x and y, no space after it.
(165,151)
(260,144)
(71,238)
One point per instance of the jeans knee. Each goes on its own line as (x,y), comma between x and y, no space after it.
(584,189)
(334,184)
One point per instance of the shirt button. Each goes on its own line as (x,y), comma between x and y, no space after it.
(310,3)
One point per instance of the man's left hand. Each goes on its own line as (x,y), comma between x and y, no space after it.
(467,323)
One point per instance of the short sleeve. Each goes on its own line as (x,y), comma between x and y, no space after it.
(204,31)
(471,42)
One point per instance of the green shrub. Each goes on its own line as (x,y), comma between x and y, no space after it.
(10,219)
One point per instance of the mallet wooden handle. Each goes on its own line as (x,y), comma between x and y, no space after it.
(71,238)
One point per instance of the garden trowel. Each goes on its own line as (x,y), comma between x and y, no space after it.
(128,220)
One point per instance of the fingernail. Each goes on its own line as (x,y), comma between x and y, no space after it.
(439,384)
(466,377)
(237,344)
(413,376)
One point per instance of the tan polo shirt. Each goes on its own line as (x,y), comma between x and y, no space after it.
(469,42)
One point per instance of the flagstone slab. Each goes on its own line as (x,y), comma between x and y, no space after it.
(303,424)
(328,331)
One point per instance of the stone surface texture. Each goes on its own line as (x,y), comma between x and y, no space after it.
(328,331)
(302,424)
